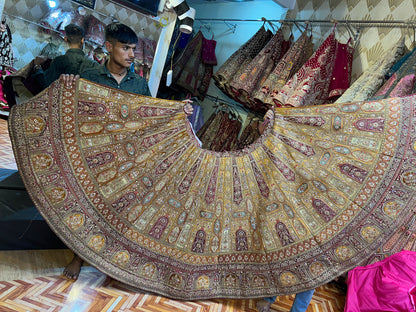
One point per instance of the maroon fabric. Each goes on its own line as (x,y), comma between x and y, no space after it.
(208,52)
(341,75)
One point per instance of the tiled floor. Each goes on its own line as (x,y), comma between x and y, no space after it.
(6,153)
(30,281)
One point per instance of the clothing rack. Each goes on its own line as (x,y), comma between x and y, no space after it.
(357,23)
(218,100)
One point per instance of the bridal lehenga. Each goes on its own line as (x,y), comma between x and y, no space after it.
(122,181)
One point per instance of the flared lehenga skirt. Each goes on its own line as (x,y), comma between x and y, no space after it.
(122,181)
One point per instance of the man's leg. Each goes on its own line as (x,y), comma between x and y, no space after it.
(263,305)
(302,300)
(72,270)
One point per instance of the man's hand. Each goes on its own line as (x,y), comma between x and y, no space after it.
(269,115)
(69,79)
(188,108)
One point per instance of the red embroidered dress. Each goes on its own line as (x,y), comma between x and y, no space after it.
(310,84)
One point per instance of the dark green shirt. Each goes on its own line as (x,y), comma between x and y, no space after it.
(74,61)
(131,82)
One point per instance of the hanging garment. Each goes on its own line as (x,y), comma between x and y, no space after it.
(149,49)
(373,78)
(242,85)
(388,285)
(239,58)
(6,50)
(286,44)
(310,84)
(212,127)
(341,75)
(397,65)
(94,31)
(402,82)
(250,133)
(190,72)
(227,134)
(208,51)
(123,182)
(139,52)
(20,86)
(290,63)
(52,19)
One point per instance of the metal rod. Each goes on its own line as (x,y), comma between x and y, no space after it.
(362,23)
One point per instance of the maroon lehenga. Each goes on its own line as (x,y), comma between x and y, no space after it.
(240,58)
(220,132)
(341,75)
(243,84)
(290,63)
(190,71)
(310,84)
(122,180)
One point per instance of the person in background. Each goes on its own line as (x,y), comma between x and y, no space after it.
(74,61)
(300,304)
(120,43)
(302,299)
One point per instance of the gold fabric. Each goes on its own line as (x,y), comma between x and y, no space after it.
(121,179)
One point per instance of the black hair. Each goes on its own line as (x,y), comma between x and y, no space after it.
(120,32)
(74,33)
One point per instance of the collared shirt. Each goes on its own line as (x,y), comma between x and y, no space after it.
(131,81)
(74,61)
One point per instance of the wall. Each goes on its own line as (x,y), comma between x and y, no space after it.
(373,40)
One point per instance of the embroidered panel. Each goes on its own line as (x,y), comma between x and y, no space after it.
(305,203)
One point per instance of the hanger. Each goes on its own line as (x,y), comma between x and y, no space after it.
(269,23)
(208,27)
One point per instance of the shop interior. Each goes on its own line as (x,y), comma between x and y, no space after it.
(180,58)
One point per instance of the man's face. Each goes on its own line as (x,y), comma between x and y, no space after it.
(121,53)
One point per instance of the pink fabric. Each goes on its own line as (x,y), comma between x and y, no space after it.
(404,86)
(387,85)
(387,285)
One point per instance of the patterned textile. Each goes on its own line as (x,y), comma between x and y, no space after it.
(286,44)
(220,132)
(190,72)
(53,19)
(94,31)
(373,78)
(149,49)
(398,64)
(341,75)
(310,84)
(240,58)
(290,63)
(250,133)
(6,50)
(259,68)
(402,82)
(121,179)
